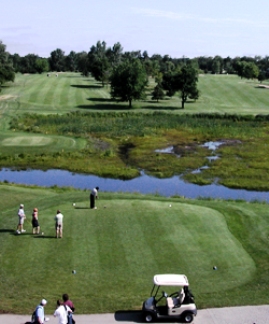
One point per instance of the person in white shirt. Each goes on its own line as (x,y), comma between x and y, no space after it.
(22,217)
(62,312)
(59,224)
(93,196)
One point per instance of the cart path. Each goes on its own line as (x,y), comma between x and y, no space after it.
(229,315)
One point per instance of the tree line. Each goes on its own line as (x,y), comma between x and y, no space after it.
(128,72)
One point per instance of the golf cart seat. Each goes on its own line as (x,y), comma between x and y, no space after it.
(174,302)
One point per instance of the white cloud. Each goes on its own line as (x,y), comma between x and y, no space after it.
(184,16)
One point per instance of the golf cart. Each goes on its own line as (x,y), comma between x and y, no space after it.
(177,305)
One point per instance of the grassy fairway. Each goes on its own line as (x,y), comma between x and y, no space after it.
(117,248)
(40,94)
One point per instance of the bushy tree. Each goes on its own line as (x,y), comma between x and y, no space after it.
(41,65)
(57,60)
(128,81)
(6,69)
(71,62)
(99,63)
(185,80)
(83,63)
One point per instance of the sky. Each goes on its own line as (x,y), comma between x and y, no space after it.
(177,28)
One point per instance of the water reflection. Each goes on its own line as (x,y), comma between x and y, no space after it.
(143,184)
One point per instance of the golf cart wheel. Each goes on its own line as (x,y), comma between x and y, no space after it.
(149,318)
(188,317)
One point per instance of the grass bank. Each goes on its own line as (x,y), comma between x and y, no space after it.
(117,248)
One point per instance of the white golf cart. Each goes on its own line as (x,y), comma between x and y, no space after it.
(177,305)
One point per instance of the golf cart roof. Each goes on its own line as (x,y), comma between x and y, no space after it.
(170,280)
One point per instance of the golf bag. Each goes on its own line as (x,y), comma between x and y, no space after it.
(69,317)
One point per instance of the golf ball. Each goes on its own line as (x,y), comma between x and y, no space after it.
(74,271)
(42,233)
(170,205)
(74,204)
(215,268)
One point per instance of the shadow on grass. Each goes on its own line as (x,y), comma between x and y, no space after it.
(104,107)
(100,100)
(81,86)
(40,236)
(82,208)
(162,107)
(5,230)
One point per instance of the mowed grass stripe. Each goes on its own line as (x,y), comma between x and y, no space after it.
(219,93)
(65,96)
(35,92)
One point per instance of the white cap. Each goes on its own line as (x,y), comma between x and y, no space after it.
(21,205)
(43,302)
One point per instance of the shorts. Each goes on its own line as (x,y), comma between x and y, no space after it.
(35,223)
(58,226)
(21,220)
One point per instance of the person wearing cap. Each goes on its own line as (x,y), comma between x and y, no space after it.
(59,224)
(39,312)
(35,223)
(22,217)
(62,312)
(93,196)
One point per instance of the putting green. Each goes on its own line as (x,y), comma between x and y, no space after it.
(27,141)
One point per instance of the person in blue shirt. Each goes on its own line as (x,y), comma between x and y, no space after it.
(39,312)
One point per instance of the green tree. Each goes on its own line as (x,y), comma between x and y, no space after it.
(71,62)
(114,54)
(99,63)
(128,81)
(83,63)
(6,69)
(262,76)
(41,65)
(217,65)
(158,92)
(250,71)
(184,80)
(16,62)
(57,60)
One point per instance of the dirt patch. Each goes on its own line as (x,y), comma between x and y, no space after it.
(7,97)
(184,150)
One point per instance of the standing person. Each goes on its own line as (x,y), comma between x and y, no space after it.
(22,217)
(35,223)
(39,313)
(59,224)
(62,312)
(69,303)
(93,196)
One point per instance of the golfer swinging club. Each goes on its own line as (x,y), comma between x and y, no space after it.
(93,196)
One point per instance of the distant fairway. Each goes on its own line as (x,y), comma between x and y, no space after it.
(42,94)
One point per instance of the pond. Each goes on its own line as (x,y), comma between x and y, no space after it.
(144,184)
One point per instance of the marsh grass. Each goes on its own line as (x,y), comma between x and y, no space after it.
(123,140)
